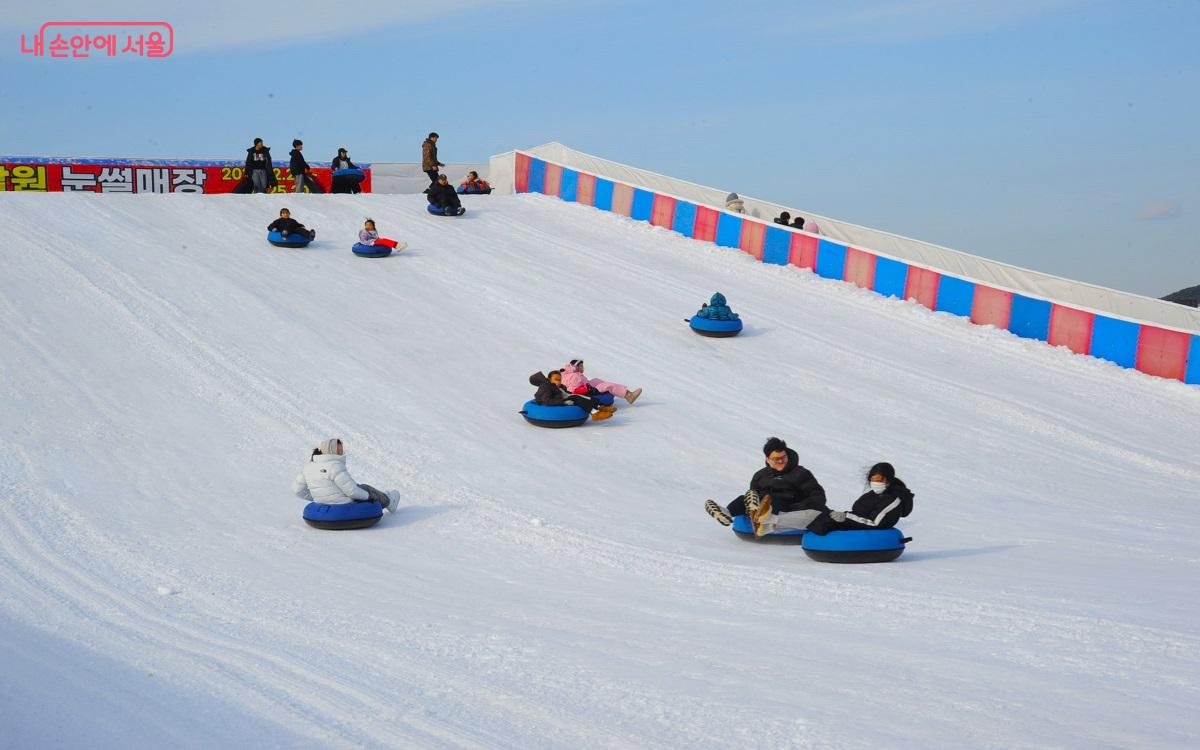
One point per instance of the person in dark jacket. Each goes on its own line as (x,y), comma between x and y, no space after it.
(442,196)
(342,161)
(798,222)
(298,166)
(550,392)
(344,183)
(429,159)
(716,309)
(885,502)
(783,218)
(259,168)
(782,495)
(286,225)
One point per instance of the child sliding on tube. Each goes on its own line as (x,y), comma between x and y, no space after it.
(576,382)
(286,225)
(550,392)
(368,236)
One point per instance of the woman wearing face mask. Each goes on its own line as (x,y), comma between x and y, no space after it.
(885,502)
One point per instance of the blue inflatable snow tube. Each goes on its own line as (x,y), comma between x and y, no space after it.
(371,251)
(745,530)
(464,191)
(349,173)
(856,546)
(342,515)
(449,211)
(715,328)
(553,416)
(292,240)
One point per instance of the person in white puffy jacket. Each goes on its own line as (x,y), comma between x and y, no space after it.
(326,480)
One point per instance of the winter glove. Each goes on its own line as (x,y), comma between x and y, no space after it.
(838,515)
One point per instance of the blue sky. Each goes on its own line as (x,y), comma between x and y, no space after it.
(1058,135)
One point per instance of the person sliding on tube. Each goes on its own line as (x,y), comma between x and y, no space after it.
(442,195)
(576,382)
(885,502)
(783,495)
(550,392)
(286,225)
(324,479)
(369,237)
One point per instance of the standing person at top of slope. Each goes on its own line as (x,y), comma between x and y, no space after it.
(429,158)
(576,382)
(885,502)
(782,495)
(298,166)
(259,168)
(325,479)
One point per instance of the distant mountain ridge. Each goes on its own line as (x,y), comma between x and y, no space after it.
(1189,296)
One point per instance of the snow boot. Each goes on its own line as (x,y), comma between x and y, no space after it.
(598,416)
(393,497)
(717,512)
(610,409)
(764,520)
(632,396)
(751,501)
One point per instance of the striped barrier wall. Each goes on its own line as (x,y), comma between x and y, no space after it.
(1154,350)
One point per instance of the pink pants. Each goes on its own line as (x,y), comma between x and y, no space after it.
(604,386)
(386,242)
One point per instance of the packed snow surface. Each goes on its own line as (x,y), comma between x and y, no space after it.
(164,374)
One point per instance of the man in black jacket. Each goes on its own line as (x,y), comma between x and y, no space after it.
(298,166)
(443,196)
(782,495)
(259,168)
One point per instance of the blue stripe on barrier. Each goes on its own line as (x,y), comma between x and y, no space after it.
(1030,317)
(643,205)
(685,218)
(729,230)
(831,260)
(537,175)
(891,276)
(1192,375)
(568,187)
(602,199)
(777,246)
(1115,340)
(955,296)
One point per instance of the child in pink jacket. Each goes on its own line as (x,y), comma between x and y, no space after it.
(575,381)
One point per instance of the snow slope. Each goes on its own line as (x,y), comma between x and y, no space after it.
(165,373)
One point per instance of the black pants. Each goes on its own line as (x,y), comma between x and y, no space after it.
(433,175)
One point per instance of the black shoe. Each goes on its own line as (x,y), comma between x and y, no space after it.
(717,512)
(312,234)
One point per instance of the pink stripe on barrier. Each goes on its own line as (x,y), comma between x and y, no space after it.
(1162,353)
(922,286)
(860,268)
(803,251)
(663,213)
(553,179)
(706,224)
(622,199)
(586,192)
(522,176)
(991,307)
(751,239)
(1071,328)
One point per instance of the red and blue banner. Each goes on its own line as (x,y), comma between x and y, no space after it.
(41,175)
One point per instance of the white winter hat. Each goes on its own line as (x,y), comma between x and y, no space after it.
(329,447)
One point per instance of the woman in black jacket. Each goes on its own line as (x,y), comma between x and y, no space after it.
(442,195)
(885,502)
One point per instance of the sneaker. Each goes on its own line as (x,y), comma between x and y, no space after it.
(751,500)
(632,396)
(312,234)
(764,520)
(393,497)
(717,512)
(598,416)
